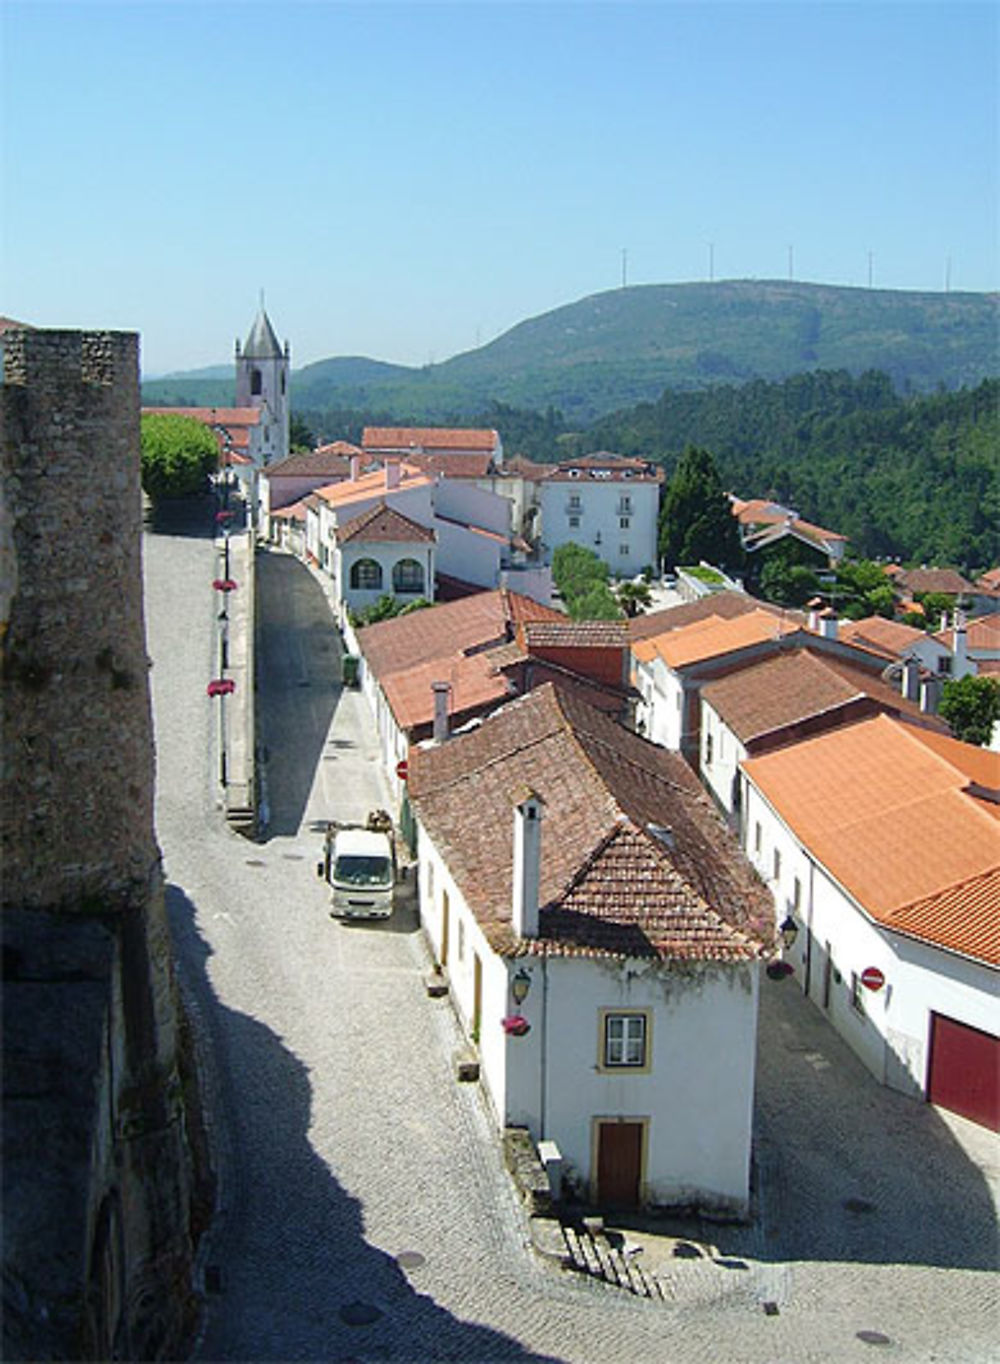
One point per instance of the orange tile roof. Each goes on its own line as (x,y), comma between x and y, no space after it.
(989,581)
(370,485)
(609,884)
(934,580)
(476,682)
(983,632)
(325,462)
(460,464)
(712,637)
(887,809)
(575,634)
(338,447)
(728,605)
(446,630)
(890,637)
(428,438)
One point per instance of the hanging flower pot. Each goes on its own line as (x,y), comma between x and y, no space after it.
(515,1025)
(221,686)
(223,515)
(224,585)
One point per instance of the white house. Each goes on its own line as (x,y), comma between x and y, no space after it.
(881,844)
(401,486)
(378,552)
(763,523)
(897,641)
(290,480)
(602,940)
(605,503)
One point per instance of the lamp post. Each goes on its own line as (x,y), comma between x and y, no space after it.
(789,931)
(520,986)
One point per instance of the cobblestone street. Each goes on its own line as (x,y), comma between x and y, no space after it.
(365,1214)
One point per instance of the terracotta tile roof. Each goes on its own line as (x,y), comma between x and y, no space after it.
(326,462)
(234,422)
(889,810)
(889,637)
(790,688)
(983,632)
(428,438)
(604,467)
(975,903)
(476,683)
(382,524)
(526,468)
(575,634)
(934,580)
(7,324)
(609,884)
(338,447)
(369,485)
(726,604)
(295,512)
(457,465)
(446,630)
(989,581)
(713,637)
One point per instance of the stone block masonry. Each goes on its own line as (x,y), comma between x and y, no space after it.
(97,1174)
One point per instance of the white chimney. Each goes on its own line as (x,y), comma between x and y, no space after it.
(391,474)
(355,468)
(527,864)
(911,679)
(930,695)
(442,691)
(828,627)
(958,647)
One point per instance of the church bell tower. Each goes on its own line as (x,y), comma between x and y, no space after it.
(262,369)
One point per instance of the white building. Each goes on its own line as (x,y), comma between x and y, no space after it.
(262,373)
(378,552)
(605,503)
(881,846)
(600,937)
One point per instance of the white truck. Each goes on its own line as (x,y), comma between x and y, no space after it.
(359,864)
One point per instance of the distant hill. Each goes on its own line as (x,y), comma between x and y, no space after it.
(626,346)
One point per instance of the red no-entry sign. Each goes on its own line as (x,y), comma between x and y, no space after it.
(872,978)
(402,769)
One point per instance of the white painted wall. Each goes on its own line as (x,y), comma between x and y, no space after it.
(890,1032)
(721,755)
(698,1095)
(626,551)
(464,500)
(465,554)
(662,706)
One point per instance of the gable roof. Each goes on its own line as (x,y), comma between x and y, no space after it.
(634,859)
(892,812)
(476,681)
(575,634)
(792,687)
(371,485)
(603,467)
(727,604)
(325,462)
(945,580)
(458,465)
(526,468)
(428,438)
(889,637)
(982,632)
(382,524)
(713,637)
(988,581)
(757,516)
(446,630)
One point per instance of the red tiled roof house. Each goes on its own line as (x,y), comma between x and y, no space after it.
(602,940)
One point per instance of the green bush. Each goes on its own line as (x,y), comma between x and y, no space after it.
(178,455)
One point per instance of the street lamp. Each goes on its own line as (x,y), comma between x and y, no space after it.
(789,931)
(520,986)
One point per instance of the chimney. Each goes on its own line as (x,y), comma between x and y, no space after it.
(828,627)
(355,468)
(911,679)
(527,863)
(391,474)
(442,691)
(958,647)
(930,695)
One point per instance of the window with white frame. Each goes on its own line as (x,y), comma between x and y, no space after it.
(624,522)
(366,575)
(625,1044)
(624,551)
(408,576)
(574,521)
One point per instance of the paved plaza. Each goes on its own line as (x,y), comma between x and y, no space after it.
(364,1212)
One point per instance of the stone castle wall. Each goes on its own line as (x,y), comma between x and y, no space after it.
(97,1174)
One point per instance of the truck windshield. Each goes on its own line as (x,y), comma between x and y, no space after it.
(355,870)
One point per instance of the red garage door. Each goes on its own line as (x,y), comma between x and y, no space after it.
(964,1072)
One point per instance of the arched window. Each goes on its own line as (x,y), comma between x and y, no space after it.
(256,383)
(366,575)
(408,576)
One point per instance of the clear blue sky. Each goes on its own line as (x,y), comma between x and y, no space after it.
(408,180)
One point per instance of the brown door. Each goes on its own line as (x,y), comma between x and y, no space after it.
(619,1164)
(445,921)
(964,1071)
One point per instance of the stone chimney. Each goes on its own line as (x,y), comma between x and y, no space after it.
(442,692)
(392,474)
(527,863)
(355,468)
(911,679)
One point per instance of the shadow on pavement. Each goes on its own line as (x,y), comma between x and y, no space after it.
(298,671)
(302,1281)
(193,517)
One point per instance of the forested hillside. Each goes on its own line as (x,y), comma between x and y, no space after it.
(913,477)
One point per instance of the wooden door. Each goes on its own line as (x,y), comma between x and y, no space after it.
(963,1074)
(619,1164)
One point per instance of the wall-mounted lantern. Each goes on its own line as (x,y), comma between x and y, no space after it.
(520,986)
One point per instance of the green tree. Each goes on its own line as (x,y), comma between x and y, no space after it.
(596,603)
(936,605)
(633,597)
(177,455)
(696,521)
(300,436)
(971,707)
(787,584)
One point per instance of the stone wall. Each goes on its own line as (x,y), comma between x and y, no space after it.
(96,1172)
